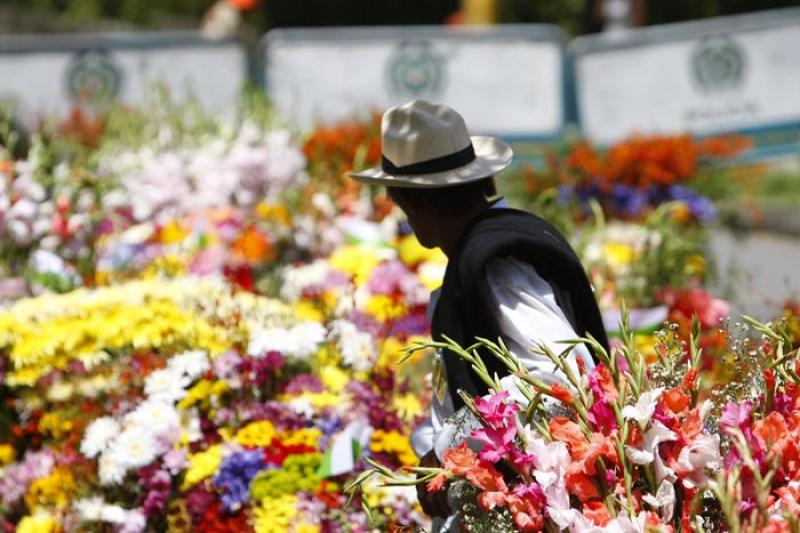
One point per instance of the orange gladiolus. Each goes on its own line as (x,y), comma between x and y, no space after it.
(676,400)
(567,431)
(596,511)
(561,394)
(772,432)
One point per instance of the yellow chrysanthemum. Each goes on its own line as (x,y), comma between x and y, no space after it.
(275,515)
(390,351)
(412,252)
(304,436)
(7,454)
(258,433)
(385,308)
(51,423)
(202,465)
(54,490)
(173,232)
(407,405)
(203,393)
(275,212)
(356,260)
(39,522)
(334,378)
(306,311)
(394,443)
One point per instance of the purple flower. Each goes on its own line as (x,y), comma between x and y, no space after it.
(303,383)
(235,474)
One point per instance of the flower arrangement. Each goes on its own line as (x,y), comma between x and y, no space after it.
(638,174)
(188,402)
(629,446)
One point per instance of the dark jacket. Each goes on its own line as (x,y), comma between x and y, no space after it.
(465,309)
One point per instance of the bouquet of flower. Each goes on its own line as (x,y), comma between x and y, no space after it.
(628,446)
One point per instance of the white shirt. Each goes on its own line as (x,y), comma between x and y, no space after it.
(527,313)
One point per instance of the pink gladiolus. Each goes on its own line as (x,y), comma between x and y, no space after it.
(497,443)
(494,409)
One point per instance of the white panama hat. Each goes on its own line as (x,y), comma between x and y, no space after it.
(426,145)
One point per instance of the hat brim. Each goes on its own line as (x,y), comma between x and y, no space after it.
(491,156)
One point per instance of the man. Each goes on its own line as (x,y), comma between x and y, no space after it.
(510,274)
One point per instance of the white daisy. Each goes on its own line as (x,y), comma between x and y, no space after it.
(193,363)
(113,514)
(89,509)
(263,341)
(111,471)
(357,347)
(166,384)
(135,447)
(306,338)
(98,436)
(155,414)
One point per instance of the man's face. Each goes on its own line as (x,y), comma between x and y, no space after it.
(422,222)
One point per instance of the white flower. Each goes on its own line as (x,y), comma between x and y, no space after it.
(89,509)
(644,408)
(696,457)
(166,384)
(357,347)
(155,414)
(135,522)
(111,471)
(263,341)
(306,338)
(135,447)
(302,406)
(98,436)
(113,514)
(193,363)
(664,499)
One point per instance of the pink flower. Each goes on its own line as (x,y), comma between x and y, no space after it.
(602,417)
(602,384)
(495,410)
(497,443)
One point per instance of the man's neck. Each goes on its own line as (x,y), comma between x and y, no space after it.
(453,227)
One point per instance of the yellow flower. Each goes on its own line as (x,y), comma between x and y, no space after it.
(204,392)
(333,378)
(407,405)
(53,424)
(384,308)
(412,252)
(305,527)
(40,522)
(305,436)
(390,351)
(173,233)
(258,433)
(56,489)
(356,260)
(275,515)
(7,454)
(695,265)
(394,443)
(618,254)
(202,465)
(306,311)
(273,212)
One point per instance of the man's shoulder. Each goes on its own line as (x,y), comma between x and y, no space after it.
(507,232)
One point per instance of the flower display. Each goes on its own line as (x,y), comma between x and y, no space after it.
(632,446)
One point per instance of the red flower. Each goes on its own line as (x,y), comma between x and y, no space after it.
(561,394)
(597,512)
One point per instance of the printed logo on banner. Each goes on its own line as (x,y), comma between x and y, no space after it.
(415,69)
(718,63)
(93,78)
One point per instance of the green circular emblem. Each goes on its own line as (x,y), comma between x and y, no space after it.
(414,70)
(93,78)
(718,63)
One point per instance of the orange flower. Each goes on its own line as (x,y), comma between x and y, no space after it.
(772,433)
(487,478)
(253,246)
(690,380)
(596,511)
(581,486)
(564,430)
(561,394)
(460,460)
(437,483)
(676,400)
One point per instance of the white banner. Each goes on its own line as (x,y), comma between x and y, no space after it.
(725,74)
(46,74)
(503,80)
